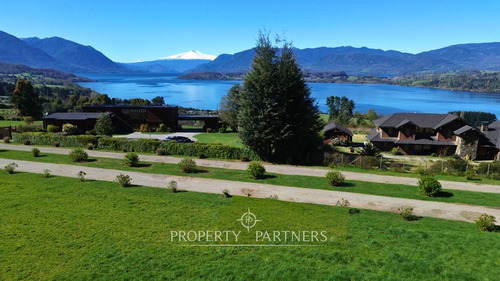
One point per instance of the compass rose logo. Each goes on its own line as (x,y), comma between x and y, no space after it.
(248,220)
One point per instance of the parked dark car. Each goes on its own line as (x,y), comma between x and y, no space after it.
(178,139)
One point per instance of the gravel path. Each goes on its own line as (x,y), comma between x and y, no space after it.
(278,169)
(452,211)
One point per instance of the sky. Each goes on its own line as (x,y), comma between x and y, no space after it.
(130,30)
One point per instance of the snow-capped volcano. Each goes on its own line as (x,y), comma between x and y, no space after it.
(191,55)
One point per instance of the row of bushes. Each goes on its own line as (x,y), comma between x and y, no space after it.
(41,138)
(201,150)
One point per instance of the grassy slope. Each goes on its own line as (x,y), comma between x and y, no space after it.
(393,190)
(63,229)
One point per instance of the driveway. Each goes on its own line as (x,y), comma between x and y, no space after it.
(451,211)
(139,135)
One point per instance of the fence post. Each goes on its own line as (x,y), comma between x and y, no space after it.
(403,165)
(381,162)
(342,158)
(442,166)
(488,172)
(467,167)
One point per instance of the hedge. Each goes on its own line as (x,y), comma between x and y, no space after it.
(217,151)
(40,138)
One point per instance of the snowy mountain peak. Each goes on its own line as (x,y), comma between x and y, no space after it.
(191,55)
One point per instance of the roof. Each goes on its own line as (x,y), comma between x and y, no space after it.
(422,120)
(72,115)
(127,106)
(464,129)
(494,125)
(333,126)
(425,142)
(491,138)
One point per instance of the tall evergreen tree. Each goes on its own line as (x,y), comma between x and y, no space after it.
(104,125)
(277,118)
(25,100)
(229,107)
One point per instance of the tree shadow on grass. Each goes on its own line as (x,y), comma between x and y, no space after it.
(496,228)
(88,160)
(143,165)
(3,150)
(347,184)
(443,194)
(265,177)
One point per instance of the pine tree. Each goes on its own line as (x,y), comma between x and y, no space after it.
(229,107)
(277,118)
(25,100)
(104,125)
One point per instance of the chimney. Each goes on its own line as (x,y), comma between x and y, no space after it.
(484,126)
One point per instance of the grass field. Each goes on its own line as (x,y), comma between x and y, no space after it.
(63,229)
(393,190)
(7,123)
(231,139)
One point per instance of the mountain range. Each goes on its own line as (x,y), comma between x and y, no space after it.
(65,55)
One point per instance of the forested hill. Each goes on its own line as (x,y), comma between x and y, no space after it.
(10,73)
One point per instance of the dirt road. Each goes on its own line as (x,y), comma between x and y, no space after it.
(451,211)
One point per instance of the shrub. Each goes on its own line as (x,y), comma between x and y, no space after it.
(428,186)
(491,168)
(164,128)
(161,151)
(353,211)
(407,213)
(273,196)
(36,152)
(226,193)
(70,129)
(6,139)
(90,146)
(131,159)
(46,173)
(256,171)
(26,142)
(340,142)
(123,180)
(78,155)
(335,178)
(434,154)
(28,120)
(81,175)
(202,155)
(343,203)
(187,165)
(30,128)
(173,186)
(471,175)
(10,168)
(395,151)
(53,129)
(244,158)
(57,144)
(144,128)
(369,150)
(486,222)
(104,125)
(209,130)
(222,129)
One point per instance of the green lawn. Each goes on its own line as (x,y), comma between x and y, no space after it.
(63,229)
(7,123)
(231,139)
(393,190)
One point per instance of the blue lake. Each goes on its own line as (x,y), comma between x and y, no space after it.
(384,99)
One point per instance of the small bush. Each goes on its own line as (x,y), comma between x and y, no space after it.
(187,165)
(53,129)
(78,155)
(173,186)
(428,186)
(434,154)
(395,151)
(10,168)
(46,173)
(244,158)
(30,128)
(36,152)
(131,159)
(202,155)
(123,180)
(7,139)
(81,175)
(226,193)
(471,175)
(335,178)
(256,171)
(28,120)
(57,144)
(161,151)
(486,222)
(222,129)
(90,146)
(273,196)
(407,213)
(26,142)
(164,128)
(209,130)
(144,128)
(343,203)
(70,129)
